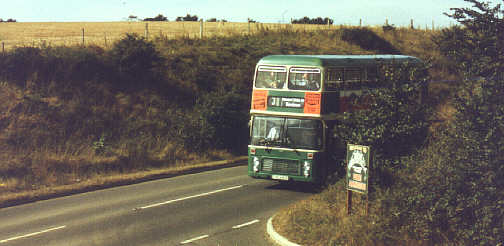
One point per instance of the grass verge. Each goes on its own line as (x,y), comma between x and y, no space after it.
(8,199)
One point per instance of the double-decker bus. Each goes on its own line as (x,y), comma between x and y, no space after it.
(296,100)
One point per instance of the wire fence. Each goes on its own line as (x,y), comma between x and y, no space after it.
(104,34)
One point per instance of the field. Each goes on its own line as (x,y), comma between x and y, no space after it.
(103,34)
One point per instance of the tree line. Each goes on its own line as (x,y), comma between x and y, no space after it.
(188,17)
(8,20)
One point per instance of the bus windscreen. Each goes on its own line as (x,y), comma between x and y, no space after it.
(287,132)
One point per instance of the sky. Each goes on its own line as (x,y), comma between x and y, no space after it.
(348,12)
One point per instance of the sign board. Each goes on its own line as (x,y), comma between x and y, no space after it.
(358,160)
(286,102)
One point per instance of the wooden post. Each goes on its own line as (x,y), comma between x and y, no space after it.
(249,27)
(201,29)
(411,24)
(360,22)
(386,22)
(370,167)
(367,204)
(349,193)
(433,27)
(83,41)
(147,30)
(349,202)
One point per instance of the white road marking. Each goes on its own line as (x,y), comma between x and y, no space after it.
(245,224)
(194,239)
(32,234)
(189,197)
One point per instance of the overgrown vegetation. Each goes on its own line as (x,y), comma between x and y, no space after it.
(317,21)
(69,114)
(444,191)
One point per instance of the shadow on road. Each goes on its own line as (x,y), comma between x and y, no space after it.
(296,187)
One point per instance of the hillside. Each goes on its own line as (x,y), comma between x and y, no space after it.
(448,190)
(75,115)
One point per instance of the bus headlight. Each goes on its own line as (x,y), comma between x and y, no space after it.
(256,164)
(306,168)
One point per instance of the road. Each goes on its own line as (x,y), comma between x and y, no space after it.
(220,207)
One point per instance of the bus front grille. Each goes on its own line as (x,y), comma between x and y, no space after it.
(281,166)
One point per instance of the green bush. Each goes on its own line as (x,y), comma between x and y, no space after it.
(136,60)
(20,64)
(456,196)
(219,121)
(396,122)
(368,40)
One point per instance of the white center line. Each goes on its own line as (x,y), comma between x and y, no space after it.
(245,224)
(189,197)
(194,239)
(32,234)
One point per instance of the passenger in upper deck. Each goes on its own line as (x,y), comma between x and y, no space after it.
(269,80)
(275,82)
(306,81)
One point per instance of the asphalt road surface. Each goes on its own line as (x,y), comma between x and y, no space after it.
(220,207)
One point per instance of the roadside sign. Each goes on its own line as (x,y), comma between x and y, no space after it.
(358,163)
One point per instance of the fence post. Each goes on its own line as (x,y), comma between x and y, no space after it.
(201,29)
(411,24)
(83,40)
(147,30)
(360,22)
(433,27)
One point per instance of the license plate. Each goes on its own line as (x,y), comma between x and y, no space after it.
(280,177)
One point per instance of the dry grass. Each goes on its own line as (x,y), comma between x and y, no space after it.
(105,33)
(322,219)
(97,181)
(72,164)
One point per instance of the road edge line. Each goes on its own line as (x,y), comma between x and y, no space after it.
(61,191)
(32,234)
(277,238)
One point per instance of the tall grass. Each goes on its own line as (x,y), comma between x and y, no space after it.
(72,113)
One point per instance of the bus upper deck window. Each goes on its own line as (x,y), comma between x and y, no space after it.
(304,79)
(271,77)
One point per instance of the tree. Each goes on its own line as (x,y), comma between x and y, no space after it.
(457,195)
(216,20)
(188,17)
(132,18)
(318,21)
(136,60)
(159,17)
(8,20)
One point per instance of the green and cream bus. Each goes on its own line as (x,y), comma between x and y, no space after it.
(296,100)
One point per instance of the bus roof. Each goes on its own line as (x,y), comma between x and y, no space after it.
(334,60)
